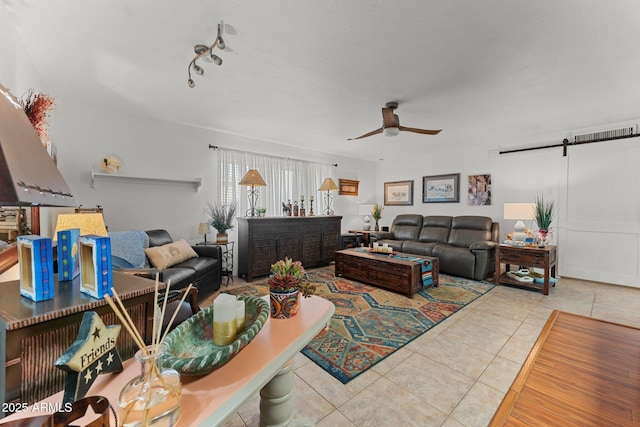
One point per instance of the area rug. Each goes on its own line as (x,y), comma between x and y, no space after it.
(369,323)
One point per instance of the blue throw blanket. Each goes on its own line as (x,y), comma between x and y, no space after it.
(127,248)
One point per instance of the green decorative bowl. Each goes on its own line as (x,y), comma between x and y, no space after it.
(189,348)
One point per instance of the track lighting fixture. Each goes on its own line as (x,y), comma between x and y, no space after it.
(206,53)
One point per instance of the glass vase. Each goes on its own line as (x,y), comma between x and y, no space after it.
(153,398)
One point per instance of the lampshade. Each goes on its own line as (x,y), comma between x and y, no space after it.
(253,177)
(519,210)
(88,223)
(328,185)
(204,228)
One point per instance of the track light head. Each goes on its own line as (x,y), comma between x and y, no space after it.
(206,53)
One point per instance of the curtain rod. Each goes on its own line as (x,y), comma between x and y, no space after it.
(215,147)
(565,144)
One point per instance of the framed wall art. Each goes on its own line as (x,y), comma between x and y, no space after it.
(479,193)
(348,187)
(441,188)
(398,193)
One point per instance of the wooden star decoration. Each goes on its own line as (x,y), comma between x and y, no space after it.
(91,354)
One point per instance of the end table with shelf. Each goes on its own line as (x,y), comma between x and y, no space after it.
(227,258)
(525,256)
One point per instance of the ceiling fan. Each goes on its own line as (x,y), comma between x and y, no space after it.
(391,124)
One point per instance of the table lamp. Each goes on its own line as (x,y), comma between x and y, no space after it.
(328,185)
(204,228)
(519,212)
(252,179)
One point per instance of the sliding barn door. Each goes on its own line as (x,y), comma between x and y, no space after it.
(600,213)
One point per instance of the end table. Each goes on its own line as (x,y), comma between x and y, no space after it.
(227,258)
(529,257)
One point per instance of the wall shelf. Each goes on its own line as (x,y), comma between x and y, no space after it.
(112,177)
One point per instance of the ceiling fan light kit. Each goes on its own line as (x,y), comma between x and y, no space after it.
(391,124)
(206,53)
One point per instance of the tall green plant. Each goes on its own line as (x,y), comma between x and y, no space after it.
(544,212)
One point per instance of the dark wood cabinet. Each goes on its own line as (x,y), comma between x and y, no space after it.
(263,241)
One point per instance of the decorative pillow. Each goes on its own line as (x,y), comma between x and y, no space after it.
(170,254)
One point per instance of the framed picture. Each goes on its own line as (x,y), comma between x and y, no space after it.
(441,188)
(348,187)
(398,193)
(479,190)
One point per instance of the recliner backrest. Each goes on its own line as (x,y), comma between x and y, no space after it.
(435,229)
(406,226)
(158,237)
(469,229)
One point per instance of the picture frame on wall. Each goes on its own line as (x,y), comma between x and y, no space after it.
(348,187)
(479,193)
(441,188)
(398,193)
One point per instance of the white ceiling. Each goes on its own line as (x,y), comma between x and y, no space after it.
(314,73)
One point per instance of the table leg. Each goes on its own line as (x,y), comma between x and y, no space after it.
(276,406)
(545,289)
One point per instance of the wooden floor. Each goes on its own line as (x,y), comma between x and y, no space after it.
(580,372)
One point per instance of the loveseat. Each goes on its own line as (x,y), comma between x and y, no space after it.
(145,253)
(465,245)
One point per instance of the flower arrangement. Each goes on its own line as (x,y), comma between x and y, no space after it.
(111,163)
(376,212)
(221,217)
(37,106)
(288,275)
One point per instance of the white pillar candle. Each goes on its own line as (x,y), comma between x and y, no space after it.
(224,319)
(375,245)
(239,315)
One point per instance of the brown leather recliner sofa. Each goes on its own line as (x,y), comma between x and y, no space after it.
(465,245)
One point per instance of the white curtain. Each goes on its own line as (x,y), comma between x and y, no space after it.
(286,179)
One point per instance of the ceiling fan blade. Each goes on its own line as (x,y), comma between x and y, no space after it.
(373,132)
(389,120)
(423,131)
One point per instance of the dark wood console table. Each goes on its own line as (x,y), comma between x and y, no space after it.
(544,258)
(263,241)
(34,334)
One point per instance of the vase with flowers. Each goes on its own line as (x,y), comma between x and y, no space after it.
(544,213)
(37,107)
(376,213)
(286,282)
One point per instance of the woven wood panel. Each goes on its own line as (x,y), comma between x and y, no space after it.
(40,377)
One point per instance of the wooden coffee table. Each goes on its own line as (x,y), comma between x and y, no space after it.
(385,271)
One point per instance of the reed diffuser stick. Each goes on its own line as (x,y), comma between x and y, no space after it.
(175,313)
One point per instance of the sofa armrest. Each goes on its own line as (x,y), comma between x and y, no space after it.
(483,245)
(209,251)
(374,236)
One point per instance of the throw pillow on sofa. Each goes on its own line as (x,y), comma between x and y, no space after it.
(170,254)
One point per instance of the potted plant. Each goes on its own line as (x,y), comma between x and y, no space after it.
(544,214)
(376,213)
(221,218)
(286,282)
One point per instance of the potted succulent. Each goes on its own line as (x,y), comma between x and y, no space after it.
(376,213)
(286,282)
(221,218)
(544,213)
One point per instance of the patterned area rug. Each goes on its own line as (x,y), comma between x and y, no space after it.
(370,323)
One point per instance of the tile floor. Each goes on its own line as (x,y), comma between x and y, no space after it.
(455,374)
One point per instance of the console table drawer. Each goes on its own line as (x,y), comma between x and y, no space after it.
(531,260)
